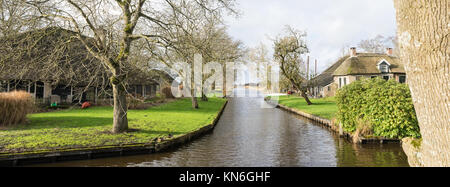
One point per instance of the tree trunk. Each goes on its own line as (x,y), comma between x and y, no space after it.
(194,96)
(298,87)
(204,97)
(423,31)
(304,95)
(120,121)
(224,86)
(194,102)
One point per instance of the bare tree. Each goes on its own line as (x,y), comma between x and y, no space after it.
(377,44)
(288,51)
(423,32)
(16,17)
(51,55)
(202,35)
(219,47)
(115,26)
(259,55)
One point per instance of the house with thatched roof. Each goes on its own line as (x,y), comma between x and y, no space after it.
(322,85)
(54,66)
(357,66)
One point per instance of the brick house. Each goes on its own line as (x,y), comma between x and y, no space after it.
(357,66)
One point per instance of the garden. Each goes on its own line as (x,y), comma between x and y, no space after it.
(78,128)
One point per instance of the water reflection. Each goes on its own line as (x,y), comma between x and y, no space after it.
(390,155)
(250,136)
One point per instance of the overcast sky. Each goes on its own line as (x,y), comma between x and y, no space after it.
(331,24)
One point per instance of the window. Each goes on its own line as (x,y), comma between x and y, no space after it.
(345,81)
(373,77)
(384,67)
(402,79)
(340,82)
(386,78)
(329,88)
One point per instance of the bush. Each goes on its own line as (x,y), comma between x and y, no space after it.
(386,106)
(14,107)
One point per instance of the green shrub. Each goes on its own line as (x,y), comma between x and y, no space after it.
(14,107)
(386,105)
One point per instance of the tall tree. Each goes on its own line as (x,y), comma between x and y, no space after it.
(16,17)
(377,44)
(423,31)
(203,35)
(259,56)
(115,26)
(288,51)
(219,47)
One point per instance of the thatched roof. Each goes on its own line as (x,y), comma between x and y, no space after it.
(326,77)
(362,64)
(64,57)
(367,63)
(45,54)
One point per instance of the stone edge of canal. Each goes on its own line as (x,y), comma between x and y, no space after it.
(330,125)
(22,159)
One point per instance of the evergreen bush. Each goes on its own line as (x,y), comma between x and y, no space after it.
(386,105)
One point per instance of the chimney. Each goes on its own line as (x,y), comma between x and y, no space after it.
(353,52)
(389,51)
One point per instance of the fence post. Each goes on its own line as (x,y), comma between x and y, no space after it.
(341,129)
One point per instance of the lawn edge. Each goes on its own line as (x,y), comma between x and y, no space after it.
(15,159)
(329,124)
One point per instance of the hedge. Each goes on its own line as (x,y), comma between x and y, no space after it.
(385,105)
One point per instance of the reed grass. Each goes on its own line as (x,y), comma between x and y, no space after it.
(14,107)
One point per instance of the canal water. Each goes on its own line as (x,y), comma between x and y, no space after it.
(248,135)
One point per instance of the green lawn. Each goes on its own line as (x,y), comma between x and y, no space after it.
(78,128)
(325,107)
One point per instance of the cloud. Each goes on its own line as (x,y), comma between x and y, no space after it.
(331,24)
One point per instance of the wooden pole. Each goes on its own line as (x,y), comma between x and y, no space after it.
(316,89)
(307,68)
(315,71)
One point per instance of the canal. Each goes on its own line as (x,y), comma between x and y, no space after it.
(248,135)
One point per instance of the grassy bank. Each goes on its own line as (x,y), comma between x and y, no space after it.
(325,108)
(78,128)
